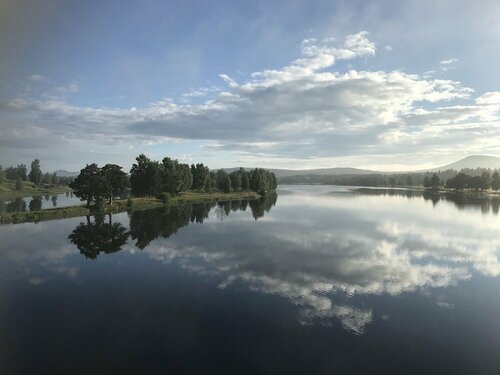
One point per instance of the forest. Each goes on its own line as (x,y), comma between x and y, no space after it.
(478,179)
(150,178)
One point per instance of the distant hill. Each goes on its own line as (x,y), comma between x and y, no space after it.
(316,172)
(473,161)
(65,173)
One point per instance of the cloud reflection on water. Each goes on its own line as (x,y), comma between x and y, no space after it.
(318,251)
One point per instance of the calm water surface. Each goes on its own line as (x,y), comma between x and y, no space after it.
(319,280)
(39,202)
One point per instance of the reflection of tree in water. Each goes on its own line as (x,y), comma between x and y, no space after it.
(36,204)
(93,238)
(15,205)
(461,200)
(262,205)
(54,201)
(147,225)
(222,210)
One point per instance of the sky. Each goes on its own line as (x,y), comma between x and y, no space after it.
(383,85)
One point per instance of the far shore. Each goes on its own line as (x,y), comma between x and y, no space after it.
(122,205)
(489,192)
(28,189)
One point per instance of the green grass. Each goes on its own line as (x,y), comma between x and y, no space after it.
(121,205)
(8,190)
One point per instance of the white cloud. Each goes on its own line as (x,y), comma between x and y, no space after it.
(305,110)
(488,98)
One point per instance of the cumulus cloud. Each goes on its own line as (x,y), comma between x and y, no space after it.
(306,109)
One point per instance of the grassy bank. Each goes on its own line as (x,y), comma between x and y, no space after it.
(8,190)
(122,205)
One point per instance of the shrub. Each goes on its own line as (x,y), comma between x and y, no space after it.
(164,197)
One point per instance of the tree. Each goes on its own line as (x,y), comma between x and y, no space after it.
(409,180)
(460,182)
(114,180)
(427,182)
(245,181)
(262,181)
(168,178)
(47,179)
(183,177)
(176,177)
(434,181)
(237,178)
(88,185)
(485,180)
(19,184)
(35,172)
(475,183)
(223,181)
(145,178)
(2,175)
(495,181)
(200,176)
(20,171)
(225,184)
(211,181)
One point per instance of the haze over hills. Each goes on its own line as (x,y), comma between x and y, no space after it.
(473,161)
(65,173)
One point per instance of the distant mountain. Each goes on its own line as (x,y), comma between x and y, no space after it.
(65,173)
(473,161)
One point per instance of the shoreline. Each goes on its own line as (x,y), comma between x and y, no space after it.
(32,192)
(121,205)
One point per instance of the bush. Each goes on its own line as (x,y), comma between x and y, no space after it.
(129,203)
(164,197)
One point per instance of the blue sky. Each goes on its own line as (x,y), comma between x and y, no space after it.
(292,84)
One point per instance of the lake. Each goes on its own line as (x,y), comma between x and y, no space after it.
(315,280)
(39,202)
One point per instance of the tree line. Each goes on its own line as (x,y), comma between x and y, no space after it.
(478,179)
(35,175)
(165,179)
(463,181)
(150,178)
